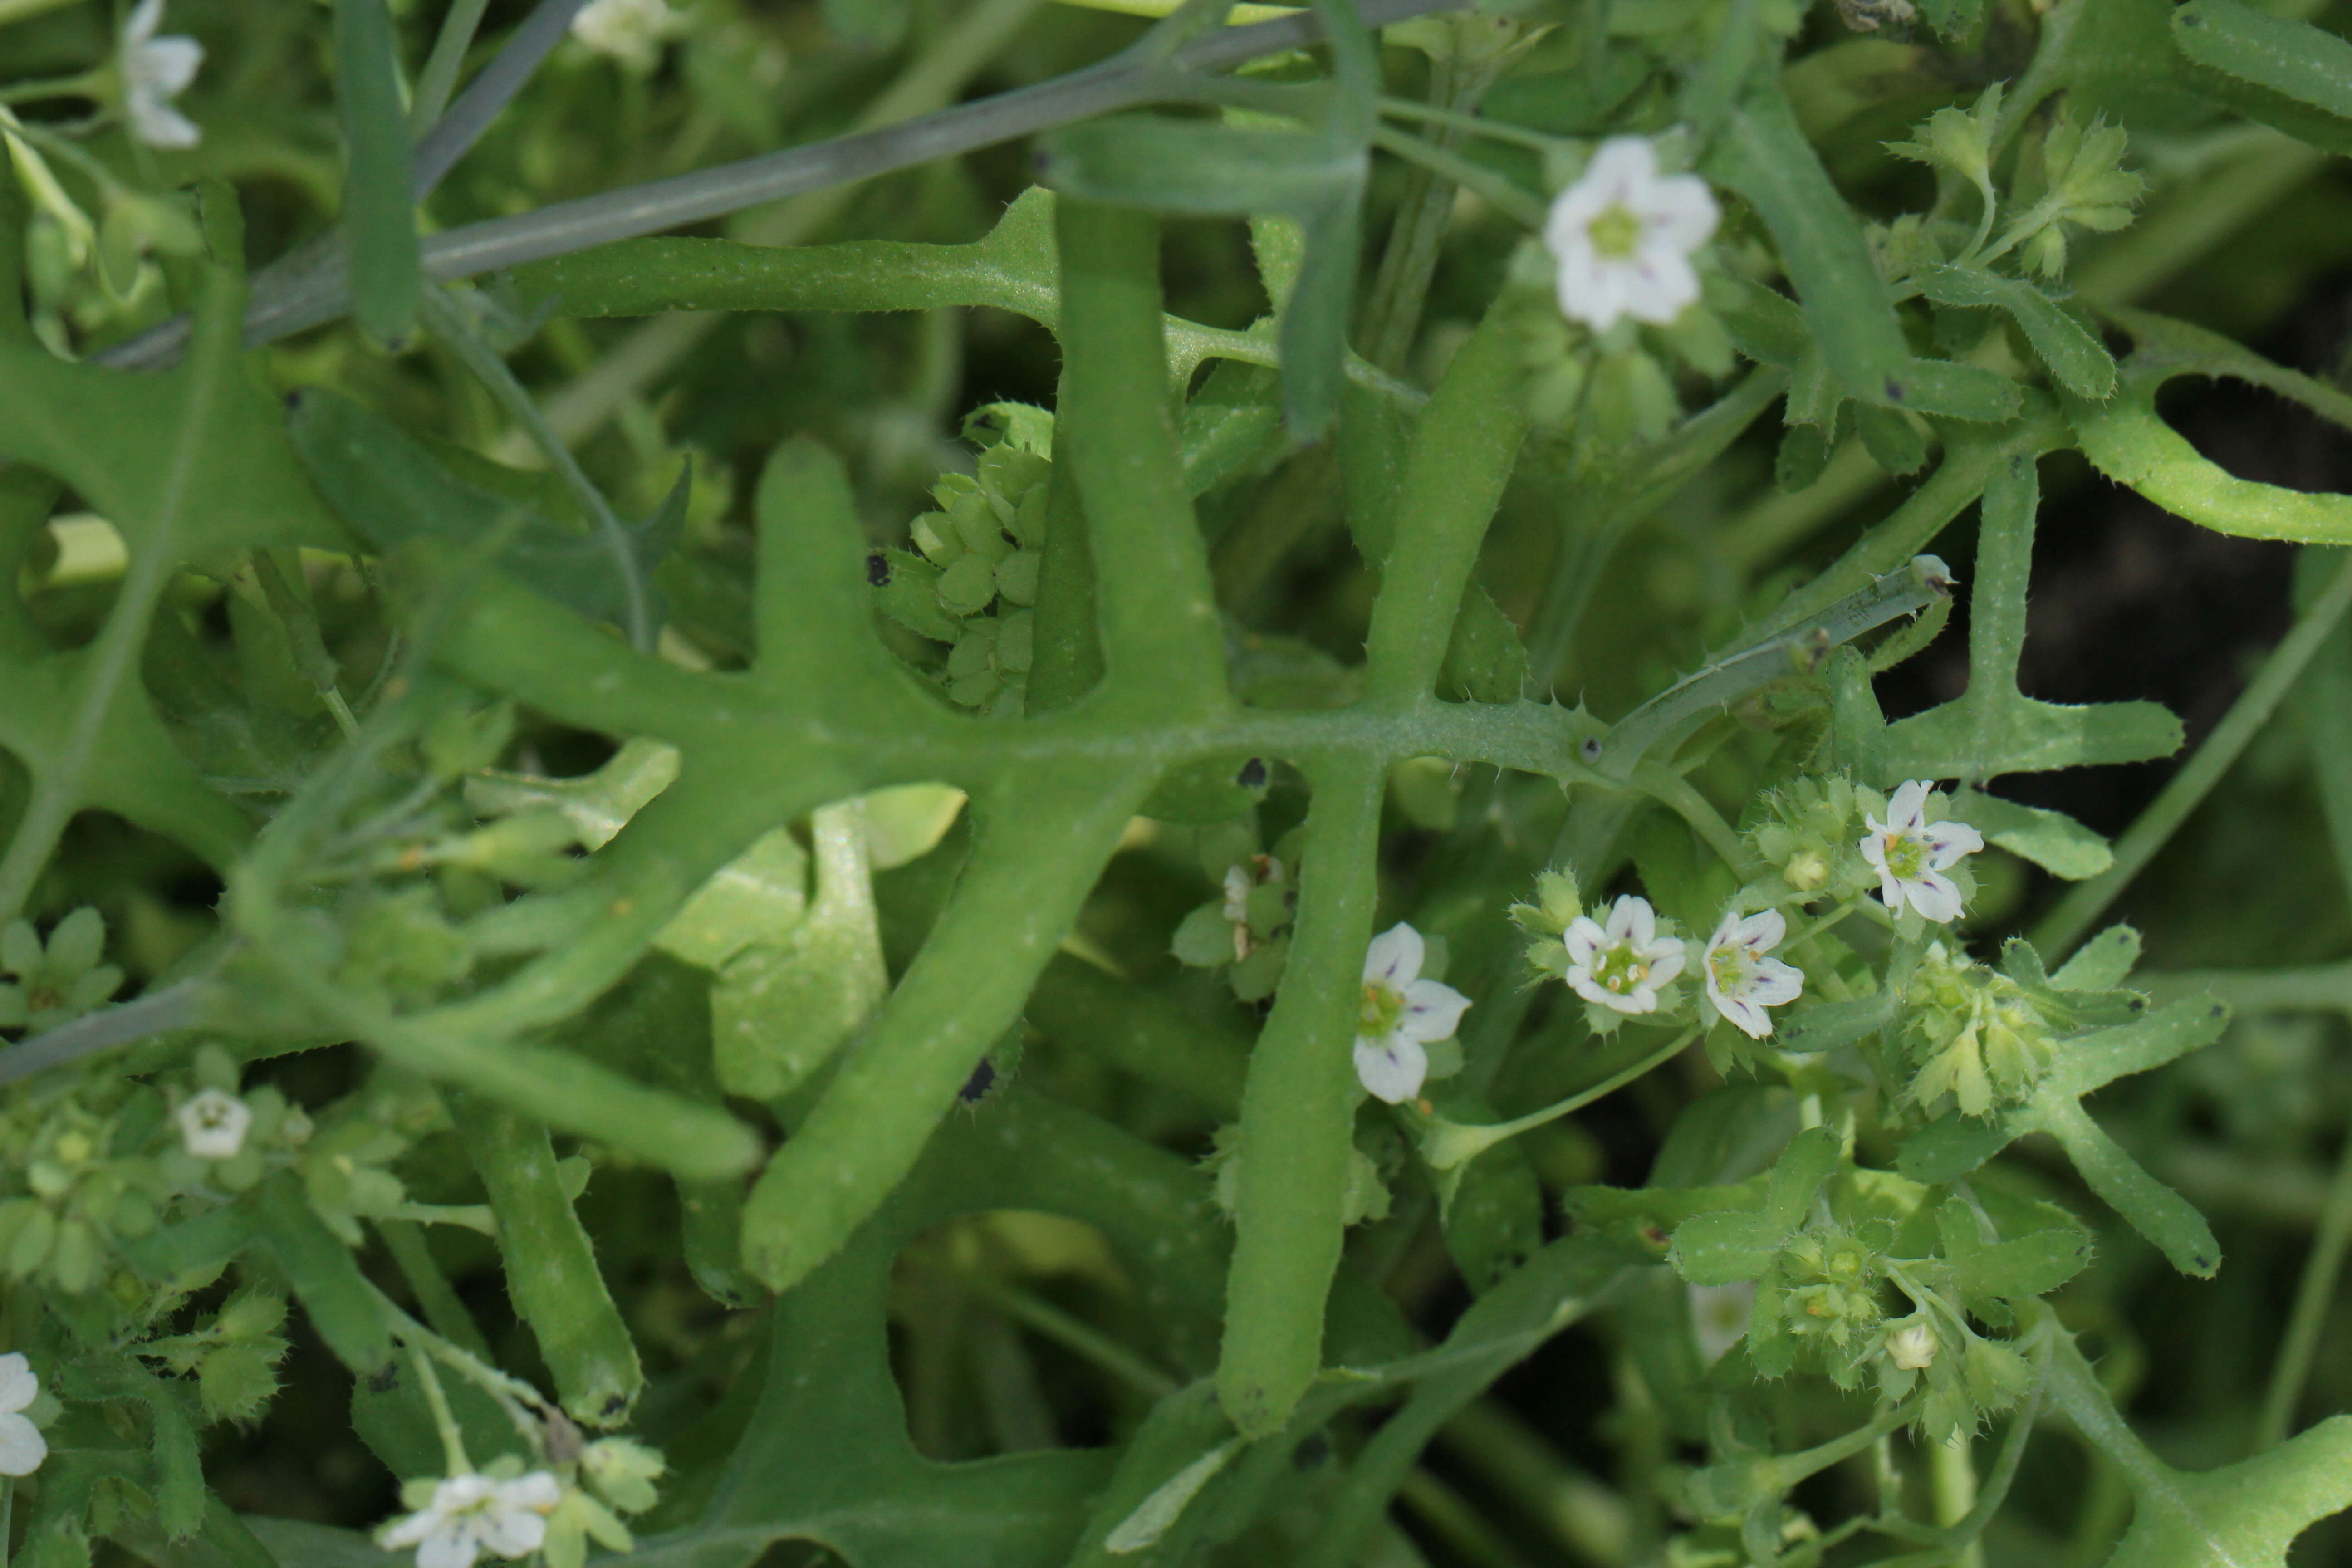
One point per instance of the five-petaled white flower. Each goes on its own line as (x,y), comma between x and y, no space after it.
(1401,1013)
(632,31)
(1910,854)
(213,1124)
(470,1514)
(1623,235)
(1740,980)
(1622,965)
(21,1446)
(154,72)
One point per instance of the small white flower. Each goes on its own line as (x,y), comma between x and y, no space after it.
(213,1124)
(1623,235)
(1402,1012)
(1912,1348)
(1910,854)
(154,72)
(1620,965)
(470,1514)
(631,31)
(1740,980)
(21,1446)
(1719,1315)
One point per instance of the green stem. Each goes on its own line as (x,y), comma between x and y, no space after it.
(2313,1299)
(453,1461)
(1446,1144)
(2086,903)
(84,85)
(1073,1334)
(449,324)
(1476,125)
(411,1253)
(1460,462)
(1506,196)
(439,78)
(1299,1113)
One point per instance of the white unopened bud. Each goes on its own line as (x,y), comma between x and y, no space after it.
(1913,1348)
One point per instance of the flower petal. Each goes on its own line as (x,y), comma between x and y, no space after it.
(168,64)
(1394,958)
(1666,960)
(160,125)
(1763,931)
(1664,285)
(1743,1015)
(1775,983)
(448,1547)
(512,1532)
(1634,919)
(143,21)
(1948,841)
(1678,210)
(1908,807)
(1890,892)
(1935,895)
(1585,942)
(1432,1010)
(21,1446)
(1623,166)
(1390,1070)
(18,1386)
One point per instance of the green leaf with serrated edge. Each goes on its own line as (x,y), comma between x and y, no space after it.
(1826,1026)
(550,1265)
(1810,1160)
(2173,347)
(1953,1145)
(1992,728)
(2026,1266)
(1958,390)
(2077,358)
(1726,1249)
(1765,158)
(2245,1515)
(2286,55)
(340,1303)
(391,490)
(2128,440)
(387,277)
(2050,839)
(2102,963)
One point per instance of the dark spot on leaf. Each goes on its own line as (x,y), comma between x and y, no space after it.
(2137,1002)
(1253,773)
(877,570)
(975,1088)
(1893,389)
(383,1379)
(1315,1451)
(1591,749)
(2219,1011)
(2201,1261)
(615,1406)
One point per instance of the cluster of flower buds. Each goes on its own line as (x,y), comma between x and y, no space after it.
(972,576)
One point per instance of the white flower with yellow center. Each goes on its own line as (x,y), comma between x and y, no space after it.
(471,1514)
(1740,980)
(1623,235)
(213,1124)
(154,72)
(1911,854)
(1401,1013)
(1622,965)
(21,1446)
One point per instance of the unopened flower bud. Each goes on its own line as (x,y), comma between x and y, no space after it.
(1912,1348)
(1806,871)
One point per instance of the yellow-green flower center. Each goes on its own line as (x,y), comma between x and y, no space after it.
(1621,970)
(1615,233)
(1906,856)
(1382,1009)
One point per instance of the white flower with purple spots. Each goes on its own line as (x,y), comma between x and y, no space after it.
(1622,965)
(1911,854)
(1741,983)
(1401,1013)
